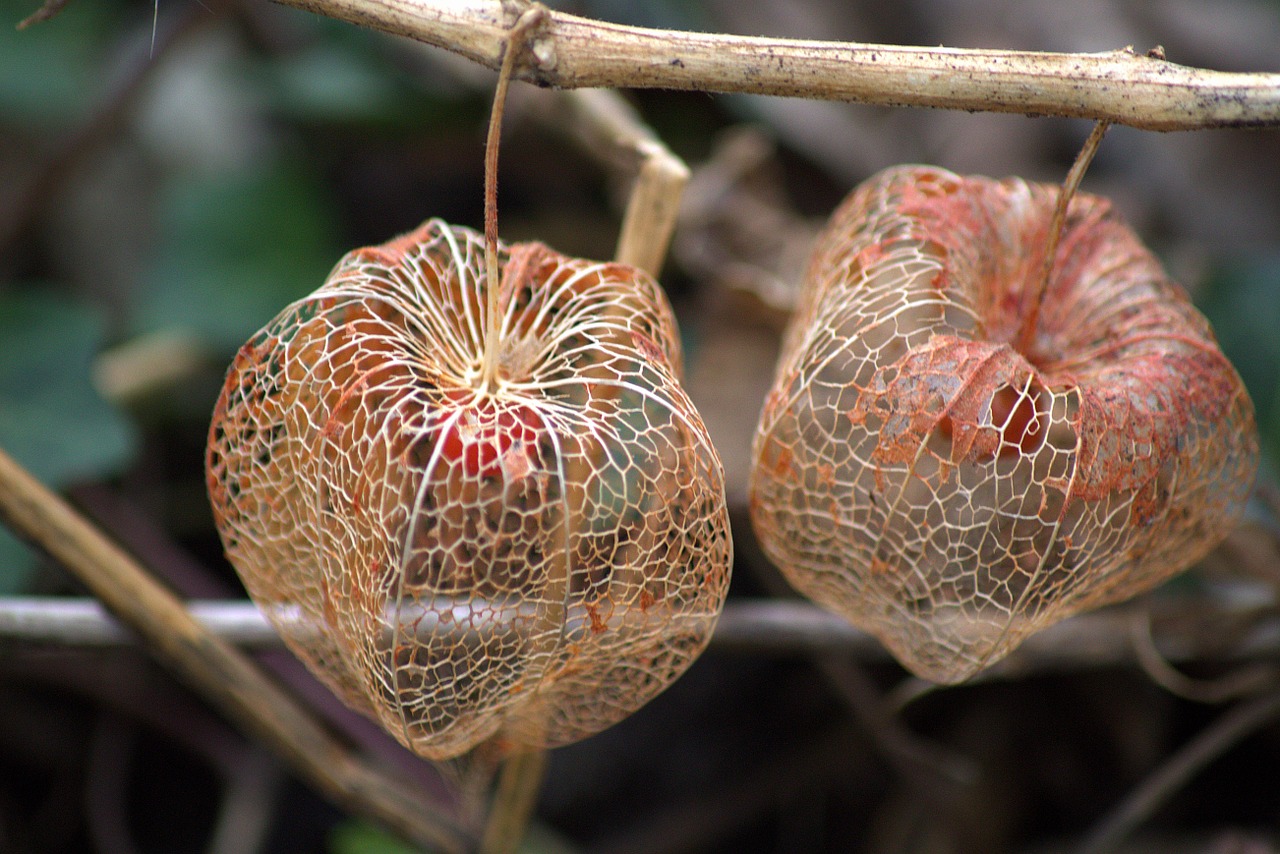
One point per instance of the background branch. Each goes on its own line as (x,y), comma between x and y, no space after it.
(755,626)
(209,663)
(1172,774)
(571,52)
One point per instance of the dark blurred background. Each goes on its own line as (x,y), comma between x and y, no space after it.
(171,177)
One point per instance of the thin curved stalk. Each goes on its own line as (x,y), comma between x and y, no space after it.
(1175,772)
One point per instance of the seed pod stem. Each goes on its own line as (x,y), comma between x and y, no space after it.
(1069,187)
(513,802)
(515,41)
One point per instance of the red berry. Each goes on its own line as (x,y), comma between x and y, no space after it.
(489,438)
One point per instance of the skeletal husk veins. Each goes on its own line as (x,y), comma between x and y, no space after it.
(951,494)
(523,552)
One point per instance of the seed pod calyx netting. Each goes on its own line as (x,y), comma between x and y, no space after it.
(921,472)
(526,550)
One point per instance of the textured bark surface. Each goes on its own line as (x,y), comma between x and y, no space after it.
(572,52)
(952,481)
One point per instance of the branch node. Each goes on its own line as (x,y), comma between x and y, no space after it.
(525,21)
(571,52)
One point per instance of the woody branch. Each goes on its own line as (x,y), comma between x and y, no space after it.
(570,52)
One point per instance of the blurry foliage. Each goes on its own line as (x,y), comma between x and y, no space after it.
(342,78)
(234,249)
(68,59)
(358,837)
(52,420)
(1242,300)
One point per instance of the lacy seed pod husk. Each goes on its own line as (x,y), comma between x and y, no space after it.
(951,481)
(522,551)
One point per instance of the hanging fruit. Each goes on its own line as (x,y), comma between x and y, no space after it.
(953,457)
(479,510)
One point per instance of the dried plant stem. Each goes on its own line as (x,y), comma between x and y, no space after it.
(521,774)
(1069,187)
(515,42)
(221,673)
(1173,774)
(1087,641)
(650,218)
(571,52)
(609,130)
(1237,683)
(654,203)
(513,802)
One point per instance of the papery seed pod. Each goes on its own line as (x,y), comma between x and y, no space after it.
(525,551)
(952,481)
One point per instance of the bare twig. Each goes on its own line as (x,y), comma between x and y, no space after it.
(149,364)
(47,10)
(607,129)
(84,622)
(248,804)
(140,535)
(928,767)
(212,665)
(1246,681)
(513,802)
(515,41)
(521,774)
(770,625)
(653,206)
(772,781)
(1178,769)
(1099,639)
(571,52)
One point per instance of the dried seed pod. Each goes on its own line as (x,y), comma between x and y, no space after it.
(526,549)
(952,481)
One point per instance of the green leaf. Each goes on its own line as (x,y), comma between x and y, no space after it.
(328,83)
(16,564)
(358,837)
(52,420)
(51,72)
(345,79)
(1241,303)
(236,249)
